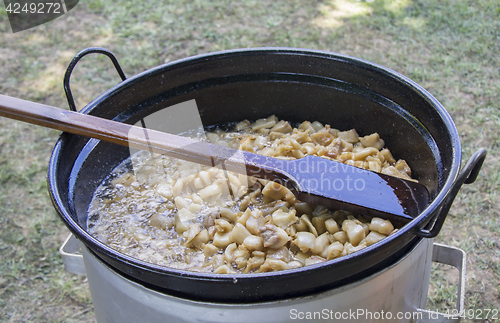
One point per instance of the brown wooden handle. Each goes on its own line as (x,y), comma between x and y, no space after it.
(68,121)
(104,129)
(140,138)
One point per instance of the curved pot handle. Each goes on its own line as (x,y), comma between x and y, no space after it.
(455,257)
(71,255)
(467,175)
(74,61)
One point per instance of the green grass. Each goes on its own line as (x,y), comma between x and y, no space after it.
(449,47)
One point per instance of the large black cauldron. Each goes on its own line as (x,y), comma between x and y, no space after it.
(296,85)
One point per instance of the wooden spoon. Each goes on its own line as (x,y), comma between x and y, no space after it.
(312,179)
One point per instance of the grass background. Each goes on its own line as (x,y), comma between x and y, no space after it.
(450,47)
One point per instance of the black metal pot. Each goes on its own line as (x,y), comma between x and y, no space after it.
(296,85)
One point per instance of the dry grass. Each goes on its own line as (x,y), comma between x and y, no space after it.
(449,47)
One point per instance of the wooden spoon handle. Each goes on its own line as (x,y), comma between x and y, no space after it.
(141,138)
(82,124)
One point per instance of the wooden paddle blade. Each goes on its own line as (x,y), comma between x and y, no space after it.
(340,186)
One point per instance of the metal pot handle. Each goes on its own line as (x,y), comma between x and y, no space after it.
(71,256)
(454,257)
(74,61)
(467,175)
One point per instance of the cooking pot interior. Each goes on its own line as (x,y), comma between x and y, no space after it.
(295,86)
